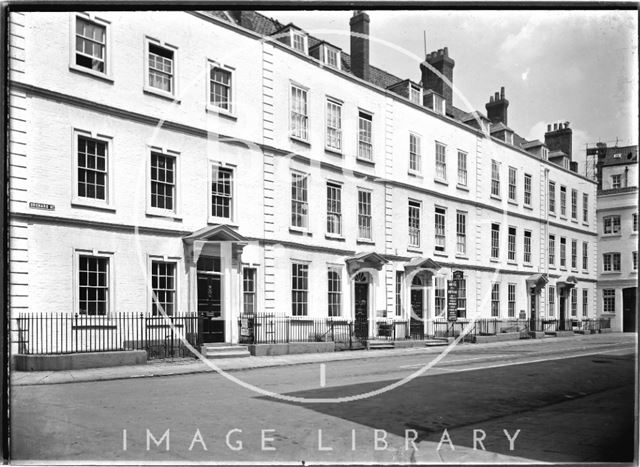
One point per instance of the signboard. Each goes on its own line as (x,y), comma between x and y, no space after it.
(246,328)
(458,275)
(452,300)
(46,207)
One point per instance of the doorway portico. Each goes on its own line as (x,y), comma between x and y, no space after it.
(419,294)
(214,271)
(364,270)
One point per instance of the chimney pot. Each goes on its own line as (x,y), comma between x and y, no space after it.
(566,124)
(502,92)
(496,96)
(555,126)
(446,51)
(548,127)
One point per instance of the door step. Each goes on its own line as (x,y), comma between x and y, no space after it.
(224,351)
(380,344)
(435,341)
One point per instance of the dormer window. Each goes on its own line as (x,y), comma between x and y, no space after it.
(298,40)
(331,57)
(436,102)
(545,153)
(415,94)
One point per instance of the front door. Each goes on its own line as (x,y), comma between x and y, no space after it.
(533,314)
(563,305)
(210,319)
(416,324)
(361,325)
(629,310)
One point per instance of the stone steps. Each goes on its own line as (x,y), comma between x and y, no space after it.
(224,351)
(380,344)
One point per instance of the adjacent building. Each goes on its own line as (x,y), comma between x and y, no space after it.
(222,163)
(617,175)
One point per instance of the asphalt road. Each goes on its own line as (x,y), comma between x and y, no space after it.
(571,401)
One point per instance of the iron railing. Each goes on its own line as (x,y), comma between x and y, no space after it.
(63,333)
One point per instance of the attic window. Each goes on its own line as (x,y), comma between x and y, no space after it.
(331,57)
(415,94)
(298,41)
(438,103)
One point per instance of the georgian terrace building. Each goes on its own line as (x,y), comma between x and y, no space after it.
(226,162)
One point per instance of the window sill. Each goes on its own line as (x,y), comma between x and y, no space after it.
(462,187)
(93,74)
(585,224)
(563,268)
(441,181)
(338,238)
(527,265)
(365,161)
(221,112)
(295,139)
(612,235)
(528,206)
(494,260)
(552,214)
(300,231)
(78,203)
(415,174)
(458,256)
(575,221)
(333,152)
(441,254)
(610,273)
(365,241)
(512,263)
(165,214)
(162,94)
(513,203)
(496,197)
(563,218)
(414,249)
(575,271)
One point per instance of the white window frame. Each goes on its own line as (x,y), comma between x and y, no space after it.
(325,56)
(495,299)
(528,195)
(76,200)
(304,133)
(585,256)
(108,73)
(551,189)
(585,302)
(293,32)
(176,264)
(609,301)
(512,240)
(415,91)
(233,205)
(414,231)
(440,239)
(462,169)
(608,262)
(563,202)
(585,208)
(338,187)
(574,303)
(306,264)
(526,257)
(174,213)
(415,153)
(461,234)
(441,161)
(616,181)
(495,247)
(634,261)
(574,204)
(369,216)
(305,217)
(338,293)
(210,106)
(552,250)
(364,115)
(634,222)
(551,291)
(495,179)
(611,220)
(109,255)
(511,300)
(175,75)
(563,253)
(574,254)
(331,101)
(440,296)
(513,184)
(254,268)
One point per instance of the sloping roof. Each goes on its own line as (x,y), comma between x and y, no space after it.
(628,155)
(220,232)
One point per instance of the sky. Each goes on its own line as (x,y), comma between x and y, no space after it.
(576,66)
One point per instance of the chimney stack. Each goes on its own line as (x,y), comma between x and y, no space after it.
(360,44)
(442,63)
(497,108)
(560,138)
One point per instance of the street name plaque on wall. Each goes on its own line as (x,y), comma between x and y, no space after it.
(452,300)
(46,207)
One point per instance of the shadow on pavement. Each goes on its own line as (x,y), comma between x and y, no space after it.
(576,409)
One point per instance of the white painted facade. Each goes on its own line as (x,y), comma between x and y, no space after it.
(53,101)
(618,246)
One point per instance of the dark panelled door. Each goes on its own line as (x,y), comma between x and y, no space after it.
(210,308)
(362,310)
(416,325)
(563,305)
(629,310)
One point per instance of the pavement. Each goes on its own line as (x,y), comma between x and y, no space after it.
(202,365)
(569,400)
